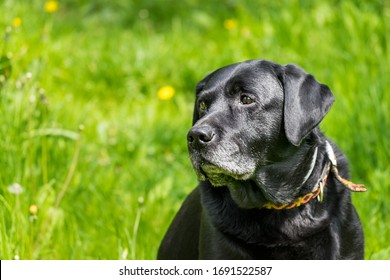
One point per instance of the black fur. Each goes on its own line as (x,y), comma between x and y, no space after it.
(254,139)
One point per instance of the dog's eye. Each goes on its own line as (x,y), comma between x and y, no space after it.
(202,106)
(246,100)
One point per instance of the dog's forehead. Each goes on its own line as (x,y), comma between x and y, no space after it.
(221,75)
(244,74)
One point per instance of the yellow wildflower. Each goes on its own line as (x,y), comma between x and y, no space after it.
(230,24)
(51,6)
(33,209)
(166,93)
(17,22)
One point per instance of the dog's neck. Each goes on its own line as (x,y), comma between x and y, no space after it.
(313,163)
(326,162)
(281,182)
(292,181)
(284,181)
(317,192)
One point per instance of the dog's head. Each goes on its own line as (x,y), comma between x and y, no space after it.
(251,114)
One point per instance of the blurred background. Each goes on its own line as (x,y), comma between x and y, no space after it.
(96,99)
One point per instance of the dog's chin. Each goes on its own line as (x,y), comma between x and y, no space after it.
(220,176)
(240,182)
(244,192)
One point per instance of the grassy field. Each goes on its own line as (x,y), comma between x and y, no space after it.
(96,100)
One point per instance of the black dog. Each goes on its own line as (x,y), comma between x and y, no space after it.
(270,186)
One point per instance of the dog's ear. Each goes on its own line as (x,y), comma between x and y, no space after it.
(306,102)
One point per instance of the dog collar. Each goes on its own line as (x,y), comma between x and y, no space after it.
(318,190)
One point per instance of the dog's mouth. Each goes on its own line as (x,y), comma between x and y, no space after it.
(216,175)
(241,184)
(219,175)
(243,190)
(208,171)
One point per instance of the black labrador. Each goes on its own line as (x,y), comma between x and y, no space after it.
(271,184)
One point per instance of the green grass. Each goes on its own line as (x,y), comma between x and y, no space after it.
(110,190)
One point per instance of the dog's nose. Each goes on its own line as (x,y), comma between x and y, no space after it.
(200,135)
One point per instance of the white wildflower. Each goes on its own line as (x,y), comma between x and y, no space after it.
(15,188)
